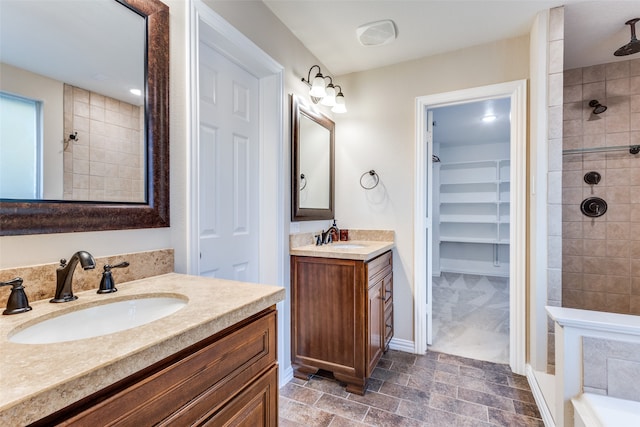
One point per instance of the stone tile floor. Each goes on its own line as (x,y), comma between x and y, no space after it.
(435,389)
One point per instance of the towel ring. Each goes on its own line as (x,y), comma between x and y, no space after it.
(374,175)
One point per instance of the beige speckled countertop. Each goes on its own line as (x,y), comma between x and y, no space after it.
(366,250)
(36,380)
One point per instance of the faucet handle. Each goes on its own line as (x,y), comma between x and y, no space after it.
(107,284)
(17,302)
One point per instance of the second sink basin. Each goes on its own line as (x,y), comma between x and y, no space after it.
(99,320)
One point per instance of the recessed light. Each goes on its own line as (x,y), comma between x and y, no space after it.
(136,92)
(488,118)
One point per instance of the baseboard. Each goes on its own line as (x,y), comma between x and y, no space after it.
(538,396)
(286,375)
(402,345)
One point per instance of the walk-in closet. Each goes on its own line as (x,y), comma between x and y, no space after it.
(471,194)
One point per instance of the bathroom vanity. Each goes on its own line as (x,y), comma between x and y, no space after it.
(342,309)
(212,361)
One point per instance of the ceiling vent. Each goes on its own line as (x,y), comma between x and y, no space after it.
(377,33)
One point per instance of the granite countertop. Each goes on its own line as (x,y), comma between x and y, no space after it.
(39,379)
(361,250)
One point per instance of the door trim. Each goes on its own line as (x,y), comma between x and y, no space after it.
(210,28)
(517,91)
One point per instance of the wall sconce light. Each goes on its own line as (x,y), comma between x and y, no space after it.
(325,94)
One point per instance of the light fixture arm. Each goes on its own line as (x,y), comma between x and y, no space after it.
(308,81)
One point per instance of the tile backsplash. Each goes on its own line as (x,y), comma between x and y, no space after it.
(40,280)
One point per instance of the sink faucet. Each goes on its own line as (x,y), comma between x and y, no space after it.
(64,275)
(327,236)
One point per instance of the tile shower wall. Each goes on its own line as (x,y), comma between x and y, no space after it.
(599,268)
(612,368)
(106,161)
(554,177)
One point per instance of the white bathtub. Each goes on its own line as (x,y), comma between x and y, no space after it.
(571,327)
(594,410)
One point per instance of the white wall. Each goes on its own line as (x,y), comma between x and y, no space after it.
(378,133)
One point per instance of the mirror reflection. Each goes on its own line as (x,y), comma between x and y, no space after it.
(314,165)
(72,101)
(312,196)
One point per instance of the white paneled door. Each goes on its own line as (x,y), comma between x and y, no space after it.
(228,165)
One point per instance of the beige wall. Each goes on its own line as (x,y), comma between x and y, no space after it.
(378,132)
(35,86)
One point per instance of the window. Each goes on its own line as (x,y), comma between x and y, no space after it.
(20,147)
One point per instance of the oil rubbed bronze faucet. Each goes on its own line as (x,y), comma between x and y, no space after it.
(64,275)
(332,234)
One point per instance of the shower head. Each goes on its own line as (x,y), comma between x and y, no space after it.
(597,107)
(634,45)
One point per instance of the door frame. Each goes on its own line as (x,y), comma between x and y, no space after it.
(207,26)
(517,92)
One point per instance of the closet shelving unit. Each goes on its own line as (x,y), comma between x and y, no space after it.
(474,216)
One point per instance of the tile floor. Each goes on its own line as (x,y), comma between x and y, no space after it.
(434,389)
(471,316)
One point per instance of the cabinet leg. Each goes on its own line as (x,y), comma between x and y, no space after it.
(303,372)
(353,384)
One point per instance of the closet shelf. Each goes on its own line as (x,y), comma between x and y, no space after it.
(471,204)
(466,219)
(467,239)
(470,181)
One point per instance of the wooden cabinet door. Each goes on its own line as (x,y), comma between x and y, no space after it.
(376,325)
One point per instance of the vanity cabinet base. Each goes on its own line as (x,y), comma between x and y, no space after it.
(230,378)
(342,317)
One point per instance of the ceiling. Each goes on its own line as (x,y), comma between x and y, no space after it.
(593,29)
(75,41)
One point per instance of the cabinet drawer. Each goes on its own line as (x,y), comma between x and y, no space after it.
(256,406)
(214,373)
(379,267)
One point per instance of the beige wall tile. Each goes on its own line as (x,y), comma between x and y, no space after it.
(593,282)
(594,73)
(573,78)
(634,67)
(617,70)
(595,90)
(556,23)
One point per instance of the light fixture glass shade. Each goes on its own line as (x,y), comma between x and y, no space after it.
(317,88)
(340,106)
(330,98)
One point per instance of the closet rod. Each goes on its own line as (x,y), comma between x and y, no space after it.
(632,149)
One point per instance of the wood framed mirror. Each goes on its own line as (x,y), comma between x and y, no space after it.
(312,163)
(21,217)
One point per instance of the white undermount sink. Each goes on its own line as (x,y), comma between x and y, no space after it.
(347,246)
(98,320)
